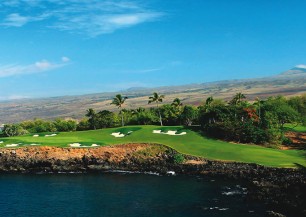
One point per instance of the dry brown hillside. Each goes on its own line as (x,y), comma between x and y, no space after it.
(289,83)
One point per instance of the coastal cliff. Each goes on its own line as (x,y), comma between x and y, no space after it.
(281,189)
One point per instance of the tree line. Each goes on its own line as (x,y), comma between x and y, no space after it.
(261,121)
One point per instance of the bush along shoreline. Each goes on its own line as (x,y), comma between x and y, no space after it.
(281,189)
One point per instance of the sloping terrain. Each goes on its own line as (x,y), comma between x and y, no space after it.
(289,83)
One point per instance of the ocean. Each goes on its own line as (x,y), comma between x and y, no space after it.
(123,194)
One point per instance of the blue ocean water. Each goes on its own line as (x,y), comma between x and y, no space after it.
(122,195)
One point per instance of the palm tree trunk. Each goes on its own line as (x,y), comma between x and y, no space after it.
(122,123)
(259,114)
(160,119)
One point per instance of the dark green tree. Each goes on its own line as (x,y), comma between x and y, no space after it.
(91,114)
(118,101)
(189,115)
(13,130)
(157,99)
(237,99)
(208,101)
(105,119)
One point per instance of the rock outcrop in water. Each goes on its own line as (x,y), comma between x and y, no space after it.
(281,189)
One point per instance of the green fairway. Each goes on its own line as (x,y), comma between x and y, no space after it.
(191,143)
(294,128)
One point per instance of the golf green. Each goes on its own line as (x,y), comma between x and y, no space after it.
(192,143)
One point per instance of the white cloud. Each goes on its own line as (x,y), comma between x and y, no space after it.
(93,17)
(10,3)
(301,66)
(15,20)
(131,19)
(65,59)
(142,71)
(37,67)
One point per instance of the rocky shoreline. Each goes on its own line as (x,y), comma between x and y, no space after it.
(282,190)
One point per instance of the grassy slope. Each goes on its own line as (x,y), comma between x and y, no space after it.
(192,144)
(299,128)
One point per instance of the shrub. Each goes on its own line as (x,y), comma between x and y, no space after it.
(178,158)
(287,141)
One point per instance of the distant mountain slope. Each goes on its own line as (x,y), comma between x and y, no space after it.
(288,83)
(296,71)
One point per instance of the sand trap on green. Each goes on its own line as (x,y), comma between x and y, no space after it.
(169,132)
(19,145)
(79,145)
(192,143)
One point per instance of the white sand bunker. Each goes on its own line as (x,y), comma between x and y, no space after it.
(170,132)
(36,135)
(51,135)
(76,145)
(118,134)
(1,142)
(34,144)
(11,145)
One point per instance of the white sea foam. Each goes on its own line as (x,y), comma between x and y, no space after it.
(236,190)
(218,208)
(231,193)
(171,173)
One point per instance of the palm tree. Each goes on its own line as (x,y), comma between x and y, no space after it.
(119,101)
(258,103)
(209,100)
(237,98)
(177,108)
(157,99)
(91,114)
(137,111)
(176,103)
(208,108)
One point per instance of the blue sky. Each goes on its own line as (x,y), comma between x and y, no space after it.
(55,47)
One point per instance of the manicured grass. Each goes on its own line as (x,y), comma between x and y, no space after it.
(294,128)
(192,143)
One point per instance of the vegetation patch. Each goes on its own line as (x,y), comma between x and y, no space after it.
(151,151)
(178,158)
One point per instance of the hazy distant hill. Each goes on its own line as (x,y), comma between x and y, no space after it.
(289,83)
(296,71)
